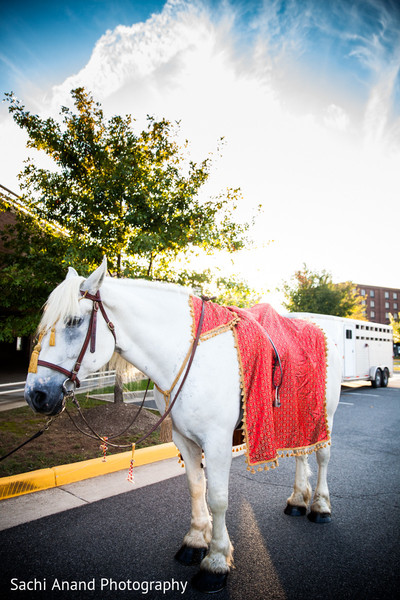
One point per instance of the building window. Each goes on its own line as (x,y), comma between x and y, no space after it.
(394,295)
(372,314)
(372,294)
(395,316)
(363,302)
(372,303)
(362,292)
(394,304)
(387,305)
(349,334)
(386,315)
(387,295)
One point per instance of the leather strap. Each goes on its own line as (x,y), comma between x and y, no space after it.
(90,338)
(194,348)
(44,363)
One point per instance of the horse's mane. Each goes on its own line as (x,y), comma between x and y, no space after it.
(62,303)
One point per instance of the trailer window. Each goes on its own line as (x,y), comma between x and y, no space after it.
(349,334)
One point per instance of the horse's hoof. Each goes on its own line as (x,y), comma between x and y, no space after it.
(190,556)
(295,511)
(209,583)
(316,517)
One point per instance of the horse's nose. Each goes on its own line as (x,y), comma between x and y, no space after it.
(39,401)
(44,400)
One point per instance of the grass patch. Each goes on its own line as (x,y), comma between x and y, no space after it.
(62,443)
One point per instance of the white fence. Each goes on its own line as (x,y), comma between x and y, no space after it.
(96,380)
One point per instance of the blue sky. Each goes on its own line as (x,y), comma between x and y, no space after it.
(46,40)
(305,92)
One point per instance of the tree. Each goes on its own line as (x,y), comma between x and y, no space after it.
(132,196)
(396,329)
(33,262)
(315,292)
(235,292)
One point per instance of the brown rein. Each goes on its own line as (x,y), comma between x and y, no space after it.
(167,412)
(91,337)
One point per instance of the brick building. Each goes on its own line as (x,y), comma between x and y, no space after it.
(379,302)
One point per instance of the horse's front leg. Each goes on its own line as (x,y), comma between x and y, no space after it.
(195,542)
(215,566)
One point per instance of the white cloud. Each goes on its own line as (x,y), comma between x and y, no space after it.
(321,179)
(336,118)
(380,105)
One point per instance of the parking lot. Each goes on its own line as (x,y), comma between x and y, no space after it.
(133,535)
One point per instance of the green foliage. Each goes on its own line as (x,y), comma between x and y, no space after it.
(234,292)
(134,197)
(131,196)
(396,329)
(315,292)
(34,262)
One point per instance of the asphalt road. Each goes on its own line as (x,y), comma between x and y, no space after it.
(129,540)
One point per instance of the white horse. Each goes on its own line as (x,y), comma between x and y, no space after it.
(152,325)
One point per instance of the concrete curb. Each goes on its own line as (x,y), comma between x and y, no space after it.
(43,479)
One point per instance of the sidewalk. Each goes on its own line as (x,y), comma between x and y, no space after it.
(30,507)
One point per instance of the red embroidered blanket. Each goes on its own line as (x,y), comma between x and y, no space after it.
(299,424)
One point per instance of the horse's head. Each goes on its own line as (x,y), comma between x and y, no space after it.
(67,325)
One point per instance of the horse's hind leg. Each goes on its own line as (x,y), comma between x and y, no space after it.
(195,542)
(298,502)
(321,505)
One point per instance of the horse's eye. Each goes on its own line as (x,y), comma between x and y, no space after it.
(74,322)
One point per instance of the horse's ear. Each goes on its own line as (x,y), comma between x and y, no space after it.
(93,283)
(71,273)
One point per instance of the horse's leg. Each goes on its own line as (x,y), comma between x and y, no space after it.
(321,505)
(195,542)
(215,566)
(298,502)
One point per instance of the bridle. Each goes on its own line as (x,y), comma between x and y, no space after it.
(90,338)
(72,376)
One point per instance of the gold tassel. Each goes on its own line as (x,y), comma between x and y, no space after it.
(166,430)
(52,341)
(35,355)
(166,425)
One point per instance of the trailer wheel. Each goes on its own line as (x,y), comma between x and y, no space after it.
(385,377)
(377,381)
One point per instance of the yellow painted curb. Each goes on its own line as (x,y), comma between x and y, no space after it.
(115,462)
(43,479)
(25,483)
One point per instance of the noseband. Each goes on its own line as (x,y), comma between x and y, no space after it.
(89,339)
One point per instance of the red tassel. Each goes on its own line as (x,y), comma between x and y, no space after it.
(130,477)
(104,447)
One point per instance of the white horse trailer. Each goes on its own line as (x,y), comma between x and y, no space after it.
(366,348)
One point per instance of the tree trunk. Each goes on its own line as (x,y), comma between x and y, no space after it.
(118,388)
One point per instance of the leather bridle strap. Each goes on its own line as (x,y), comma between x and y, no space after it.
(165,415)
(90,338)
(192,354)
